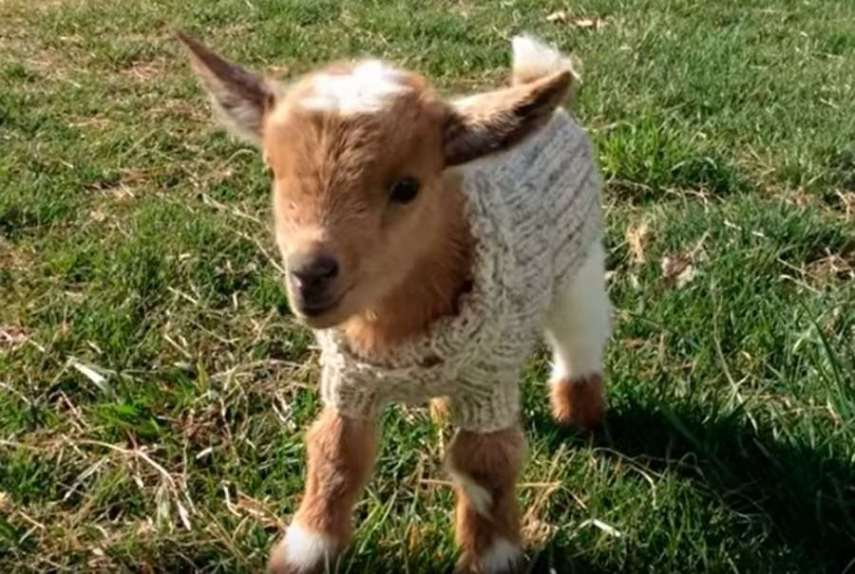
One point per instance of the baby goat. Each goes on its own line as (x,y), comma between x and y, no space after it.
(429,243)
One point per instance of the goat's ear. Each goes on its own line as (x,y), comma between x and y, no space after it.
(240,98)
(495,121)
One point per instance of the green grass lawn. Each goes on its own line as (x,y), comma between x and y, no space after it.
(154,387)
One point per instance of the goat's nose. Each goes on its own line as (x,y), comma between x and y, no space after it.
(312,272)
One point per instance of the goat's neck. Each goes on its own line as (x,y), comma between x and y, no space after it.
(431,290)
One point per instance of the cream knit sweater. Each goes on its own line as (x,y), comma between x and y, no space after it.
(535,213)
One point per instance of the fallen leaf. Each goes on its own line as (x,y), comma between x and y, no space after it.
(678,270)
(90,373)
(686,276)
(607,528)
(97,215)
(5,502)
(832,267)
(595,23)
(538,532)
(560,16)
(638,238)
(634,343)
(847,202)
(563,17)
(281,71)
(673,265)
(11,336)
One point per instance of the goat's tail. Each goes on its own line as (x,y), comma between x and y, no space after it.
(534,59)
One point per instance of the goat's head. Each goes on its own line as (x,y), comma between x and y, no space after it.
(359,154)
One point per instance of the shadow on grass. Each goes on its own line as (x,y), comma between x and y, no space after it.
(804,494)
(540,566)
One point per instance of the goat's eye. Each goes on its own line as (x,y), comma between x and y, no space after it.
(404,190)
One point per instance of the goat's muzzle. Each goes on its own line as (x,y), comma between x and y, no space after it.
(313,280)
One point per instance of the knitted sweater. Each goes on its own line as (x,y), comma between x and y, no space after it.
(534,213)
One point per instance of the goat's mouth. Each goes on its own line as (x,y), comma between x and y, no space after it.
(324,313)
(310,310)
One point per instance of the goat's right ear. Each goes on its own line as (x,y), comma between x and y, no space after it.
(240,98)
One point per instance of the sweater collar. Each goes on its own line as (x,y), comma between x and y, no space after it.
(451,339)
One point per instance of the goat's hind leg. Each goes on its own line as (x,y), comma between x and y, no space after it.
(577,329)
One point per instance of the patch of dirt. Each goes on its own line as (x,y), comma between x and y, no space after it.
(55,63)
(13,257)
(145,71)
(180,109)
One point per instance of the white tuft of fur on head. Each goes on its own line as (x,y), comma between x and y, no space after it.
(534,59)
(365,89)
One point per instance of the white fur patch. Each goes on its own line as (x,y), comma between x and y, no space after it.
(534,59)
(500,557)
(579,322)
(305,549)
(480,498)
(367,88)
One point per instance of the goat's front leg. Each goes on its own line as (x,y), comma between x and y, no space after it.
(484,467)
(341,454)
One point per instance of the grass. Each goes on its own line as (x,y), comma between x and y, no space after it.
(153,385)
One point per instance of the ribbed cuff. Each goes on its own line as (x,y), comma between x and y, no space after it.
(351,400)
(484,414)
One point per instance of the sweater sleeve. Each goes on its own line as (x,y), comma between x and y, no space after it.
(348,390)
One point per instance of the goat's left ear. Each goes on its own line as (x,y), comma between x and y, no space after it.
(495,121)
(241,98)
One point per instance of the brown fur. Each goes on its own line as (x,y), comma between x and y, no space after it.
(491,460)
(579,402)
(331,191)
(401,266)
(340,458)
(341,454)
(431,290)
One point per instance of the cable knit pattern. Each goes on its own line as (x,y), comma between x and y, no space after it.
(534,212)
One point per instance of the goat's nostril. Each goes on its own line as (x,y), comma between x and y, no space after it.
(327,267)
(315,270)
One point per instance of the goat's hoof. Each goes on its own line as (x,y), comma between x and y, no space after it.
(579,402)
(302,552)
(503,557)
